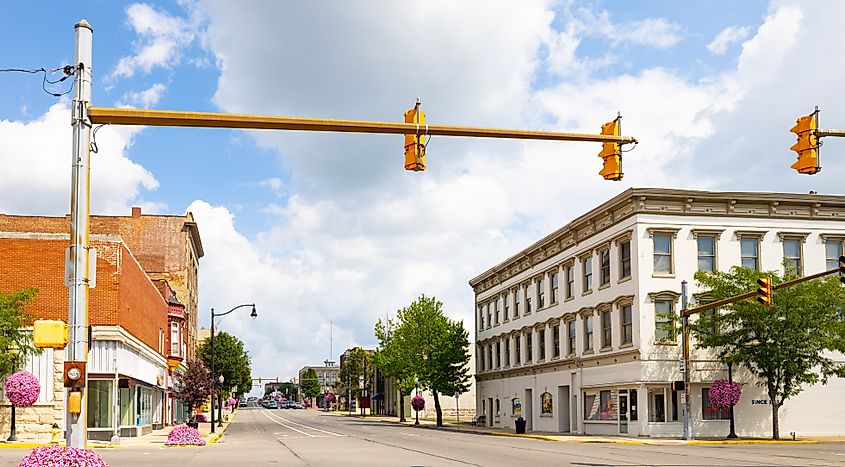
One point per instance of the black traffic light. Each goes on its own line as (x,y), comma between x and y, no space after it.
(678,385)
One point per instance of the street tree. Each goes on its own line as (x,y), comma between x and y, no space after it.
(310,385)
(15,342)
(786,346)
(230,360)
(436,349)
(193,385)
(392,362)
(356,366)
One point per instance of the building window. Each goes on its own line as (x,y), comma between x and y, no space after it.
(710,412)
(506,301)
(497,408)
(625,259)
(489,316)
(554,280)
(588,332)
(664,322)
(100,403)
(508,351)
(656,405)
(516,303)
(481,317)
(832,252)
(496,311)
(541,293)
(662,253)
(529,347)
(498,354)
(517,357)
(541,337)
(570,282)
(556,341)
(750,253)
(603,410)
(706,253)
(606,330)
(175,341)
(792,255)
(627,325)
(604,276)
(490,356)
(570,330)
(587,272)
(527,292)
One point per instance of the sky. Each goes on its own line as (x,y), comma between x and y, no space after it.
(327,233)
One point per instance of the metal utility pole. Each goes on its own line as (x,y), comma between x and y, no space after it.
(80,210)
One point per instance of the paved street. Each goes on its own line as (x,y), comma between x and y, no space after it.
(308,438)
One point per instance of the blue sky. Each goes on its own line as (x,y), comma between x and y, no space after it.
(320,228)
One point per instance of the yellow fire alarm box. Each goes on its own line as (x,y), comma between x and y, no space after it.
(48,333)
(74,402)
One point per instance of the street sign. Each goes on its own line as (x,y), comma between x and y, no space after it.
(682,365)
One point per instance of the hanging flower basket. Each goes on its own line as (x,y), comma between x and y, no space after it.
(724,393)
(329,397)
(418,403)
(22,389)
(62,456)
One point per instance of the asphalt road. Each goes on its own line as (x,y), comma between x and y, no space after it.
(308,438)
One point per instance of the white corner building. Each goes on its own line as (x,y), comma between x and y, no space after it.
(567,333)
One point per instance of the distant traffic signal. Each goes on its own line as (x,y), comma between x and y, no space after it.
(807,146)
(842,269)
(611,153)
(764,292)
(414,147)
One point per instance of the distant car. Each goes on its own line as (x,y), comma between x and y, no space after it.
(243,404)
(272,405)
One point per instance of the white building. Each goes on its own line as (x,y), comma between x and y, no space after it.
(565,329)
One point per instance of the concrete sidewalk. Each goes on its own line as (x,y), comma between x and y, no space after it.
(576,438)
(152,440)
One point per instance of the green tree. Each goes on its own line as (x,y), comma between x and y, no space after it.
(392,362)
(786,346)
(357,364)
(310,385)
(436,349)
(230,360)
(13,317)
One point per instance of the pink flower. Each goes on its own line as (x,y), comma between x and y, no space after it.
(418,403)
(329,397)
(62,456)
(184,435)
(724,393)
(22,388)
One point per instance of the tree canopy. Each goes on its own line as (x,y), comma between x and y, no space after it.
(309,384)
(785,346)
(193,386)
(391,360)
(13,318)
(230,360)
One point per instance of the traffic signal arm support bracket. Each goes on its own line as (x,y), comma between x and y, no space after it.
(747,295)
(822,133)
(102,115)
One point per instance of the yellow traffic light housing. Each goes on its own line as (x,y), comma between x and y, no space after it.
(764,292)
(807,146)
(414,147)
(47,333)
(611,153)
(842,270)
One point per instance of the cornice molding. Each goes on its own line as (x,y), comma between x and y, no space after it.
(663,201)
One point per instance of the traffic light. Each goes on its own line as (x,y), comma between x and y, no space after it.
(764,292)
(414,147)
(842,269)
(678,385)
(807,146)
(611,153)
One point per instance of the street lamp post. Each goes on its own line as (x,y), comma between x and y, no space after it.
(253,315)
(732,434)
(220,379)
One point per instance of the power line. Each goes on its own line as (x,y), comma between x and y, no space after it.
(68,71)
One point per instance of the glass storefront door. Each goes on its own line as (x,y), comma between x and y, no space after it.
(623,412)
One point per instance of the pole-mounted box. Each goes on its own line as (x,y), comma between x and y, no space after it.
(49,334)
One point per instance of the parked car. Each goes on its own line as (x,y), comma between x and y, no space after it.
(272,405)
(243,404)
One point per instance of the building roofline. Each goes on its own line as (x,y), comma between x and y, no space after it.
(633,201)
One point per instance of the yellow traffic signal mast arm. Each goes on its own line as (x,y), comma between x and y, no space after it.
(115,116)
(821,133)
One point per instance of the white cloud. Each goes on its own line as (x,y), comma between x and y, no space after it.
(37,170)
(654,32)
(162,38)
(719,44)
(146,98)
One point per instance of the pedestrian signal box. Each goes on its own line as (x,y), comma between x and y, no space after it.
(49,334)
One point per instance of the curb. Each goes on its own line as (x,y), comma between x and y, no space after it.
(217,436)
(16,445)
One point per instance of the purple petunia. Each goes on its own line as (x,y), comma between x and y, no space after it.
(184,435)
(418,403)
(200,418)
(22,389)
(724,393)
(329,397)
(62,456)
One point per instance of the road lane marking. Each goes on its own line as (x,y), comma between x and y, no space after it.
(308,426)
(289,427)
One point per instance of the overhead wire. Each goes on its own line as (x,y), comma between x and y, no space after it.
(68,71)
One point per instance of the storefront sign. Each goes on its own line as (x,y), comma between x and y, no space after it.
(759,402)
(517,406)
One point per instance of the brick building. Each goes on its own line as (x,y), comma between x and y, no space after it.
(142,311)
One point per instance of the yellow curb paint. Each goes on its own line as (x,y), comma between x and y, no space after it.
(756,441)
(38,445)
